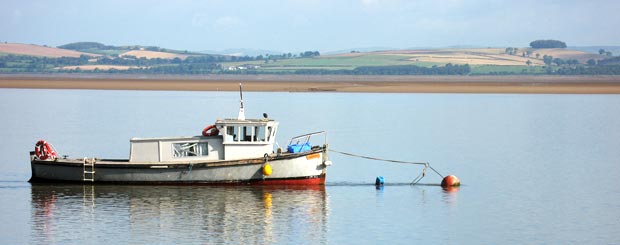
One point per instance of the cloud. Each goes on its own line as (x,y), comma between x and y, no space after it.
(228,22)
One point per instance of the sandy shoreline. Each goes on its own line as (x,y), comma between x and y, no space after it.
(292,83)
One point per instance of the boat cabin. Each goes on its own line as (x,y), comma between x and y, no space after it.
(237,139)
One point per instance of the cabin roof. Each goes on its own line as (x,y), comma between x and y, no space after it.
(172,138)
(246,121)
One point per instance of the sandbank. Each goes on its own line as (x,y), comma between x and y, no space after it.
(322,83)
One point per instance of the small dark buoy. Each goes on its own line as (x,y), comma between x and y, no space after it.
(379,181)
(450,181)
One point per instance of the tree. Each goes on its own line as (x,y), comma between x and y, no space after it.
(548,59)
(547,44)
(601,51)
(528,62)
(85,45)
(591,62)
(309,54)
(608,53)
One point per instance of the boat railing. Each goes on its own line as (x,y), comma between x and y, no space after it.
(302,142)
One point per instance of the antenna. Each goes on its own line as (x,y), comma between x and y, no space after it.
(241,111)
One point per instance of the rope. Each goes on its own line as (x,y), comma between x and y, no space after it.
(415,181)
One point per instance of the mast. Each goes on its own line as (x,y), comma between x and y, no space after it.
(241,111)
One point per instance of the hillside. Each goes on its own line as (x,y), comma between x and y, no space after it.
(139,51)
(153,54)
(43,51)
(155,60)
(482,60)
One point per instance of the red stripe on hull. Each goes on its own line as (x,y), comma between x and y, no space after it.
(307,181)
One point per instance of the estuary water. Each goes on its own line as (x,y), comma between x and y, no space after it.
(535,169)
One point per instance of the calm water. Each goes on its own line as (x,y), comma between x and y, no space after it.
(535,169)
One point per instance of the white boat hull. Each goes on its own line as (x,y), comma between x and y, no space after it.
(306,168)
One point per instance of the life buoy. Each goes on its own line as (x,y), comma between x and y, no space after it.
(44,150)
(210,130)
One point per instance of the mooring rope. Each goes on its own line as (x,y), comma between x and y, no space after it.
(415,181)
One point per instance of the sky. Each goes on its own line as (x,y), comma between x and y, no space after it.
(297,25)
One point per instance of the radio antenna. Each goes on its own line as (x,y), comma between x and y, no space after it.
(241,111)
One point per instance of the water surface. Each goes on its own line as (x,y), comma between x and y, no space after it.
(535,169)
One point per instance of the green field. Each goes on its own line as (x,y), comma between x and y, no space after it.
(333,62)
(351,62)
(104,51)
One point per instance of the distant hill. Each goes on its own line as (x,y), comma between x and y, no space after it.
(85,46)
(36,50)
(594,49)
(492,61)
(155,60)
(99,48)
(428,58)
(242,52)
(355,50)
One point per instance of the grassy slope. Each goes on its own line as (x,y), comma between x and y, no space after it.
(105,51)
(335,62)
(483,61)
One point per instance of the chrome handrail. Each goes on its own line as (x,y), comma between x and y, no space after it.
(307,136)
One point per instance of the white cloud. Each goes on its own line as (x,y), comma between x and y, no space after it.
(228,22)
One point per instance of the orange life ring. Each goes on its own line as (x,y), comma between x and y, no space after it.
(44,150)
(213,131)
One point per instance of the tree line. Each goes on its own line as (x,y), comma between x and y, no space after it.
(87,45)
(547,44)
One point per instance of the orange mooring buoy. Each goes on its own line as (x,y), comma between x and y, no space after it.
(450,180)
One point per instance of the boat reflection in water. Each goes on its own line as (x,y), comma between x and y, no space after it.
(178,214)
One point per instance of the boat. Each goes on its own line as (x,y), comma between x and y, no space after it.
(231,151)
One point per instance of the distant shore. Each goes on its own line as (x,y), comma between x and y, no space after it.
(322,83)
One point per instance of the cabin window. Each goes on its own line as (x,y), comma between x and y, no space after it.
(231,133)
(269,133)
(243,134)
(193,149)
(247,133)
(260,133)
